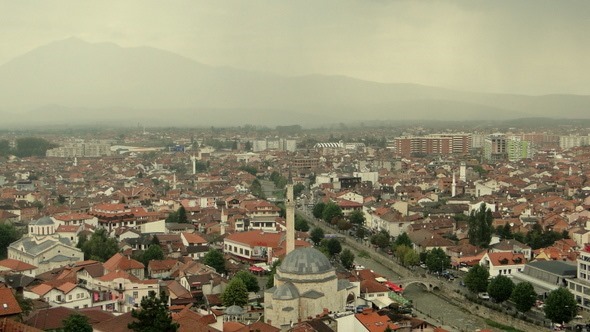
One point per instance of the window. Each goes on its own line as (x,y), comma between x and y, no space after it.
(135,295)
(70,297)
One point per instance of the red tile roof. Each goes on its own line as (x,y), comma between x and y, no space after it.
(8,303)
(16,265)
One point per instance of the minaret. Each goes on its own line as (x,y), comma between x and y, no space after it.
(569,173)
(76,162)
(174,181)
(290,207)
(462,172)
(194,160)
(454,186)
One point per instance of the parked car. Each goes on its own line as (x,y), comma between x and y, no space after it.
(484,296)
(361,307)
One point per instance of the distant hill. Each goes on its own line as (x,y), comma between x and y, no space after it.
(72,81)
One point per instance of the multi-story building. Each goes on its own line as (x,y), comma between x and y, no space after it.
(441,144)
(281,144)
(580,286)
(572,141)
(518,149)
(81,149)
(494,147)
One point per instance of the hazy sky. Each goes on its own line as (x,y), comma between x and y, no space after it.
(532,47)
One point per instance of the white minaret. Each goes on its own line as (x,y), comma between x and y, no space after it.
(174,181)
(290,207)
(463,172)
(76,163)
(454,186)
(570,171)
(194,160)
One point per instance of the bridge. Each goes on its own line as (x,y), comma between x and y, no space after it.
(428,283)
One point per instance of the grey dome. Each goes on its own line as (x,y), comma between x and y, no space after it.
(286,291)
(234,310)
(305,261)
(43,221)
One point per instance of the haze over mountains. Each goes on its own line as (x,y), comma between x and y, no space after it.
(75,82)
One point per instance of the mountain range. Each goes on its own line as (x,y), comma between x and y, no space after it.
(76,82)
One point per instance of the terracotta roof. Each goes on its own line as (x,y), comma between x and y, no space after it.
(16,265)
(193,238)
(8,303)
(115,324)
(118,274)
(496,258)
(373,322)
(122,262)
(9,325)
(256,238)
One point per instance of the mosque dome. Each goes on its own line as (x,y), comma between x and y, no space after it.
(286,291)
(305,261)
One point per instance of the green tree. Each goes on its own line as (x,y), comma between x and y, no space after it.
(76,323)
(32,146)
(411,258)
(235,293)
(402,240)
(153,315)
(153,252)
(298,189)
(25,304)
(381,239)
(343,225)
(256,189)
(331,211)
(318,209)
(214,258)
(61,199)
(172,217)
(360,233)
(500,288)
(334,247)
(247,168)
(476,279)
(8,234)
(4,147)
(437,260)
(181,215)
(100,246)
(347,259)
(301,224)
(317,235)
(561,306)
(524,296)
(357,217)
(480,227)
(400,251)
(249,280)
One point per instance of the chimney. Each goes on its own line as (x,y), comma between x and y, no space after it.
(290,207)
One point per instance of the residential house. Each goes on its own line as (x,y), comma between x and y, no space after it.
(503,263)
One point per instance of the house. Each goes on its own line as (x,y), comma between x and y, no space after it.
(67,294)
(12,266)
(503,263)
(514,246)
(162,269)
(120,262)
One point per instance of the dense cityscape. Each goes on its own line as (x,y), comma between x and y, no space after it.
(268,229)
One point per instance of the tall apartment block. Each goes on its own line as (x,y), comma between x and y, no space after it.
(440,144)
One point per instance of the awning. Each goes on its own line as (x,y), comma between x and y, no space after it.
(380,279)
(393,287)
(256,269)
(382,302)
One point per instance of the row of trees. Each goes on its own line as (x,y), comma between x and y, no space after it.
(179,216)
(560,305)
(26,147)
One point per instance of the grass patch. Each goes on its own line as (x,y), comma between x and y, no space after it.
(502,326)
(364,254)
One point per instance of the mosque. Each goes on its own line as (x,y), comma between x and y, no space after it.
(305,284)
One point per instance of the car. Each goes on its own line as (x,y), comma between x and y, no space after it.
(358,267)
(423,265)
(361,307)
(484,296)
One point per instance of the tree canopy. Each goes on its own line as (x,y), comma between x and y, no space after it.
(381,239)
(317,235)
(76,323)
(524,296)
(249,280)
(235,293)
(480,227)
(318,209)
(560,306)
(437,260)
(100,246)
(476,279)
(357,217)
(8,234)
(298,189)
(333,246)
(214,258)
(153,252)
(402,240)
(301,224)
(153,315)
(331,211)
(32,146)
(500,288)
(347,258)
